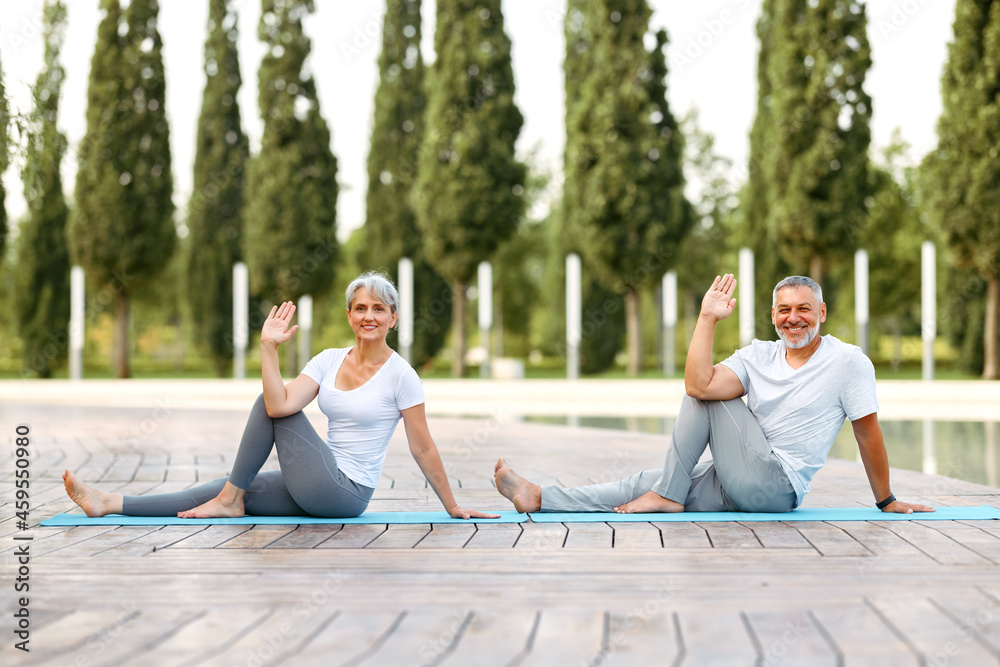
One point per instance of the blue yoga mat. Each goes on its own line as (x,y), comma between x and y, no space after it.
(800,514)
(368,517)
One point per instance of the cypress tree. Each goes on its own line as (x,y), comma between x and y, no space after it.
(4,161)
(816,168)
(215,212)
(42,277)
(398,130)
(121,229)
(623,154)
(962,175)
(290,242)
(469,189)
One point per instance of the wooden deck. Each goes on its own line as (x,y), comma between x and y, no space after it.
(879,593)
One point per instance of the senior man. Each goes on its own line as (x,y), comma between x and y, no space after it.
(799,390)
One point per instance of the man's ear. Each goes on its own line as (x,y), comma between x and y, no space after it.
(822,312)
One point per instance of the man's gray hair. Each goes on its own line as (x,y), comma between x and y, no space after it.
(378,285)
(795,282)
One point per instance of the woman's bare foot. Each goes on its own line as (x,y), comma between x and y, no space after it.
(91,501)
(527,497)
(227,505)
(649,502)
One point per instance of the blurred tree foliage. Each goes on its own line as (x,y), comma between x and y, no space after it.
(623,194)
(121,229)
(290,240)
(42,276)
(215,210)
(391,225)
(4,161)
(962,175)
(808,173)
(469,190)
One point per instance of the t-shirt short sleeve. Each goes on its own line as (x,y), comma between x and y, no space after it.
(409,389)
(737,364)
(858,396)
(319,366)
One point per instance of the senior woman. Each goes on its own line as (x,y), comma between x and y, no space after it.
(363,390)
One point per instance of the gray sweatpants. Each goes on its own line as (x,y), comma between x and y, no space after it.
(743,475)
(309,482)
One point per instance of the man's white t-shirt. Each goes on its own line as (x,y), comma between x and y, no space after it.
(362,420)
(802,410)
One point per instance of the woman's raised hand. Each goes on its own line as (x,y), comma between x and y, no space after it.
(719,302)
(275,330)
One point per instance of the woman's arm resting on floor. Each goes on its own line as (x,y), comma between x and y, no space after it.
(868,433)
(425,453)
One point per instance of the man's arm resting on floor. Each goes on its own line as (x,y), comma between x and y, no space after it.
(871,444)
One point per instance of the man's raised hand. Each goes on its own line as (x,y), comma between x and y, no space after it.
(275,330)
(719,302)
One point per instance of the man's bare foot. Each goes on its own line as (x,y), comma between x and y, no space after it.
(91,501)
(527,497)
(649,502)
(227,505)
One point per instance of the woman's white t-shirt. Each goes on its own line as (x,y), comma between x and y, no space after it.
(362,420)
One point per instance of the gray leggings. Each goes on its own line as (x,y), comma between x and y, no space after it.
(744,474)
(309,482)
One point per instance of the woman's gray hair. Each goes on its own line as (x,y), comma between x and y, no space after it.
(378,285)
(794,282)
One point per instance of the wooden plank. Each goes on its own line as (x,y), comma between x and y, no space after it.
(206,639)
(682,535)
(447,536)
(970,537)
(636,536)
(422,638)
(777,535)
(990,526)
(976,615)
(828,539)
(641,637)
(494,536)
(860,637)
(150,542)
(70,633)
(585,535)
(725,535)
(566,637)
(937,638)
(702,630)
(878,540)
(279,637)
(258,537)
(541,536)
(118,535)
(493,638)
(933,543)
(351,637)
(118,643)
(211,537)
(306,536)
(790,637)
(353,536)
(400,536)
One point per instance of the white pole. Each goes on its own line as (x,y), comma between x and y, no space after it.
(928,308)
(574,316)
(405,324)
(669,322)
(305,317)
(241,319)
(485,285)
(745,299)
(861,298)
(76,322)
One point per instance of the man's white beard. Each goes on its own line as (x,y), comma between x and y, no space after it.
(805,340)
